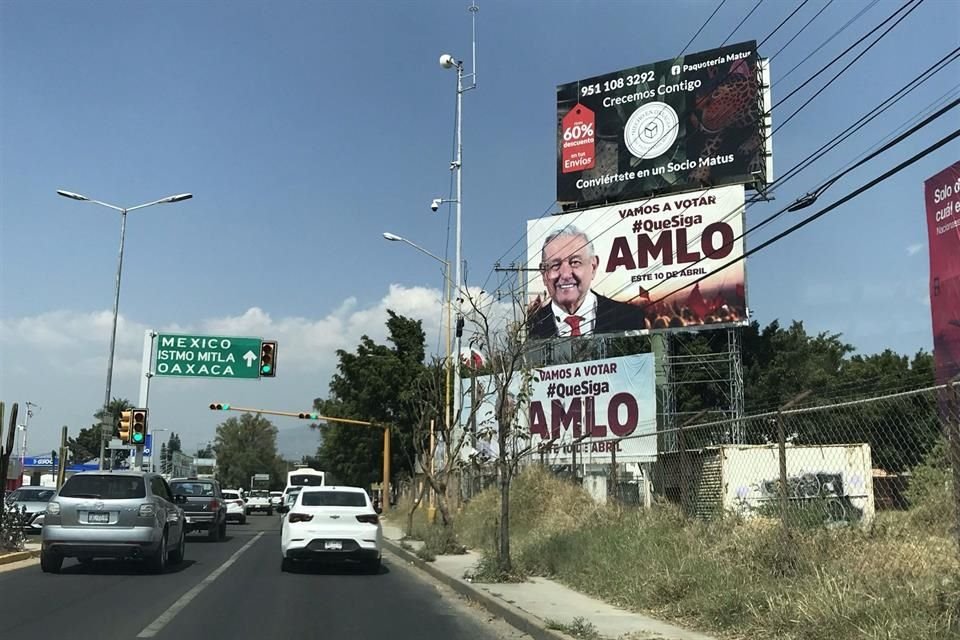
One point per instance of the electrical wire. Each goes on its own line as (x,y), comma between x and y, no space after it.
(740,24)
(845,26)
(705,23)
(804,28)
(783,22)
(893,15)
(846,67)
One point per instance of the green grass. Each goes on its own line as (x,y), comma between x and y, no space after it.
(739,579)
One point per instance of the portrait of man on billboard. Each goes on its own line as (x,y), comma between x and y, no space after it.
(568,267)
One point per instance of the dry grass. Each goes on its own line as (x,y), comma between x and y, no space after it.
(739,579)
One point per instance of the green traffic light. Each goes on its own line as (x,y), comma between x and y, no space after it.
(138,438)
(265,368)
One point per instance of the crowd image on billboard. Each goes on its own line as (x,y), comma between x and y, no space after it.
(674,125)
(650,265)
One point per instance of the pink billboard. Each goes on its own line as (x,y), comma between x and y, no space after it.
(942,198)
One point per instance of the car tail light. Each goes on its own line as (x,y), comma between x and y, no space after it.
(238,502)
(214,505)
(300,517)
(146,510)
(53,508)
(369,518)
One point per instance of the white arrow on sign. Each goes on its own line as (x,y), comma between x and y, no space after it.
(249,356)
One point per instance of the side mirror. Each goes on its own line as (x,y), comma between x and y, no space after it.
(283,508)
(378,509)
(180,499)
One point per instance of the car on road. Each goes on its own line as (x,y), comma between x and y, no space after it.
(276,498)
(334,524)
(103,514)
(204,508)
(258,500)
(33,502)
(235,506)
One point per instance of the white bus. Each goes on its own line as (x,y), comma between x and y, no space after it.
(303,477)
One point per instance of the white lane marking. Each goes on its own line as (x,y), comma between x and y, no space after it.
(157,625)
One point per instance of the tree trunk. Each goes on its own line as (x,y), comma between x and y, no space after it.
(416,503)
(504,563)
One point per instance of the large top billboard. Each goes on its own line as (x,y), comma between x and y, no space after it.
(674,125)
(942,197)
(633,267)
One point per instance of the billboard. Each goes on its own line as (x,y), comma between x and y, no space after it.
(633,267)
(598,408)
(942,198)
(674,125)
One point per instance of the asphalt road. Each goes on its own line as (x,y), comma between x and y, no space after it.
(235,589)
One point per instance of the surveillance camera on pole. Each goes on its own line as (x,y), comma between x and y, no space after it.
(435,204)
(447,61)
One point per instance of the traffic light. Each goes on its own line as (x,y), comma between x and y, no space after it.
(268,358)
(309,416)
(126,419)
(138,430)
(218,406)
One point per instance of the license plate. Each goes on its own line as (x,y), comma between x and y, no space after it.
(333,545)
(98,517)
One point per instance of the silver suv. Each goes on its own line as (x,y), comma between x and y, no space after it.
(103,514)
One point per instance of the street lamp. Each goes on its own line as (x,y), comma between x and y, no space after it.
(392,237)
(116,297)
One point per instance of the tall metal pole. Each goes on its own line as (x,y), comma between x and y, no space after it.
(113,339)
(458,167)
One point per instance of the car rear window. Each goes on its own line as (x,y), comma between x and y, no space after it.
(105,487)
(231,495)
(334,499)
(193,489)
(33,495)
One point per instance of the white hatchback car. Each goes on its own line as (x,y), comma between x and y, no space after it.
(332,523)
(235,506)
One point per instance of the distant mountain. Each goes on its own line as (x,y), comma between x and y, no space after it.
(293,444)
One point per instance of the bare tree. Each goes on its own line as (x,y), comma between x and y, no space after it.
(499,332)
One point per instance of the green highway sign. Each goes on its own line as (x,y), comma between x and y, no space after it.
(207,356)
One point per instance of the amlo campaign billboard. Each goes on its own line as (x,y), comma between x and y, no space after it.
(674,125)
(641,266)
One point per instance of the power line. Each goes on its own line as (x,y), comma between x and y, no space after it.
(804,28)
(846,67)
(705,23)
(740,24)
(783,22)
(848,49)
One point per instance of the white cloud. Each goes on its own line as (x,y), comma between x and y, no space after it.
(57,359)
(914,249)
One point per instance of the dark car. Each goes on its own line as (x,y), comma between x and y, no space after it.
(205,508)
(103,514)
(33,501)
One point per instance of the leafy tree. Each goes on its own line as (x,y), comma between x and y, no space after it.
(86,444)
(376,383)
(245,446)
(205,451)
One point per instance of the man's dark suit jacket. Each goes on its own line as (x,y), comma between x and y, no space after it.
(612,316)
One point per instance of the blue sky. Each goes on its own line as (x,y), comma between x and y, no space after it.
(306,129)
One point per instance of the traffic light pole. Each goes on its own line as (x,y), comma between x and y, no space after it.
(385,496)
(145,374)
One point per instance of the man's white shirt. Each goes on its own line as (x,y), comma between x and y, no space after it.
(587,312)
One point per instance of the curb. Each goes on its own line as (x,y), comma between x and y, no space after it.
(18,556)
(514,616)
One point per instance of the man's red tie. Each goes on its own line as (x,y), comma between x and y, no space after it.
(574,322)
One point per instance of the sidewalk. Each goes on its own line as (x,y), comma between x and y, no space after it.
(529,606)
(30,550)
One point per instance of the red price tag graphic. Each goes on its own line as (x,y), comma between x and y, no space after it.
(578,139)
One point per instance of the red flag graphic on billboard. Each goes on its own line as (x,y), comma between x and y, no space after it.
(942,197)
